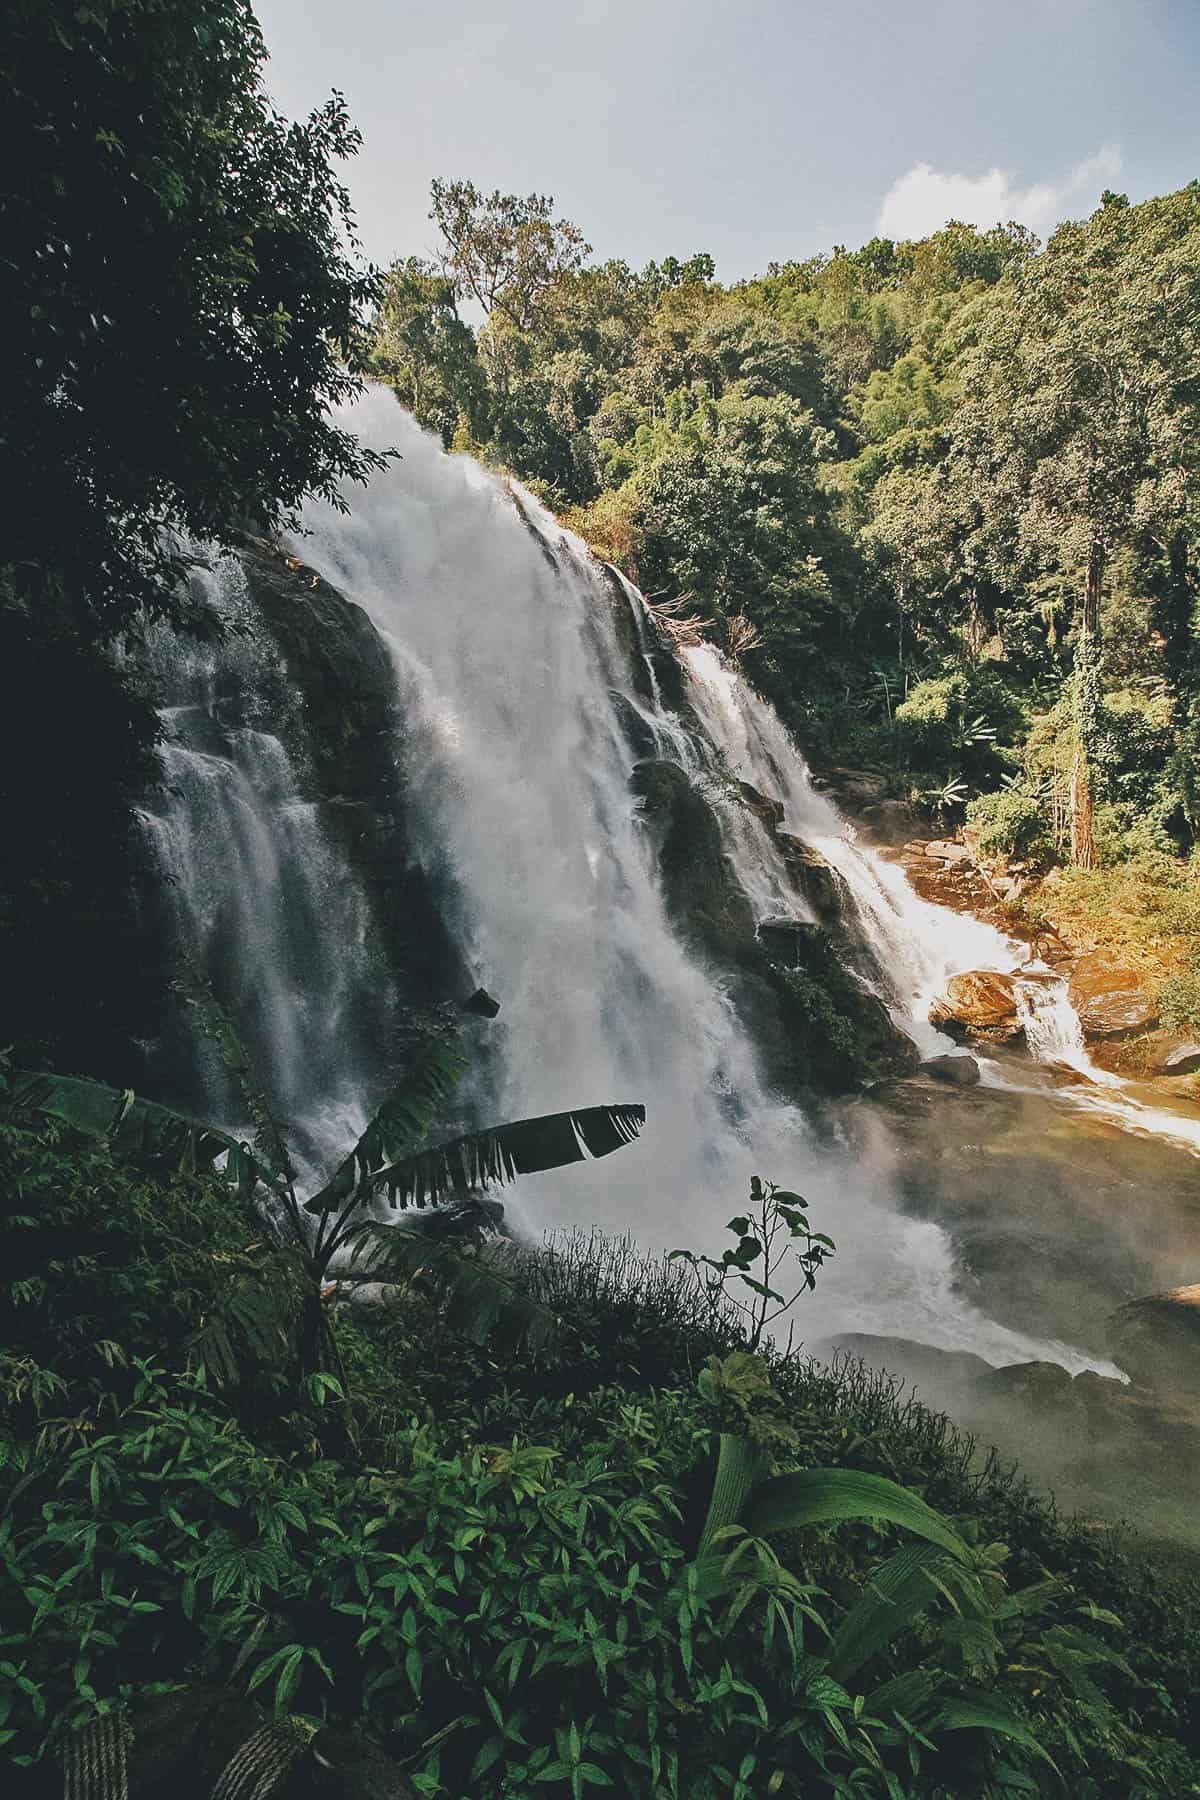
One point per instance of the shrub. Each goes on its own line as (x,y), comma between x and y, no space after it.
(1010,823)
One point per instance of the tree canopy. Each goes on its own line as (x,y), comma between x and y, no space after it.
(965,464)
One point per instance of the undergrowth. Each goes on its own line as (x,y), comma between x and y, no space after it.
(494,1584)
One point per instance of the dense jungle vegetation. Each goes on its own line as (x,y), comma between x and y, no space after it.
(939,498)
(615,1552)
(592,1533)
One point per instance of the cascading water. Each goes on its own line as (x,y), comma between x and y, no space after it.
(517,766)
(262,903)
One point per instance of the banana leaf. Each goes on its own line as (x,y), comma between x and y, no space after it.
(153,1136)
(399,1122)
(491,1157)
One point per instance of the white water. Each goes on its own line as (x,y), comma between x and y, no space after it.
(263,903)
(506,654)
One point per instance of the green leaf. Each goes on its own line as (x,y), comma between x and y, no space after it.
(489,1158)
(894,1596)
(826,1496)
(739,1464)
(983,1712)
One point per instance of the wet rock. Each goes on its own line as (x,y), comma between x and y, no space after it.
(944,851)
(1067,1075)
(1157,1339)
(1110,1001)
(855,788)
(981,1003)
(924,1367)
(958,1071)
(481,1004)
(1147,1055)
(889,821)
(815,877)
(702,890)
(787,936)
(764,808)
(1036,1384)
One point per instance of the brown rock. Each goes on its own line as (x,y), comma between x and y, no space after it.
(981,1003)
(1110,1001)
(1067,1075)
(762,806)
(1158,1339)
(944,851)
(959,1071)
(814,876)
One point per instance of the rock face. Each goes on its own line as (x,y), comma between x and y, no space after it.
(334,660)
(813,1024)
(814,876)
(700,887)
(982,1004)
(957,1071)
(1158,1340)
(1110,1001)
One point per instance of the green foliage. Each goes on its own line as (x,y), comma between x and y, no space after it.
(178,288)
(1011,822)
(1179,1000)
(498,1588)
(899,461)
(776,1224)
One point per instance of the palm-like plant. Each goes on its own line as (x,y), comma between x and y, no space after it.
(337,1233)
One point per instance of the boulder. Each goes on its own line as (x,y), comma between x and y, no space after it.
(764,808)
(889,821)
(1150,1053)
(1033,1384)
(1067,1075)
(787,936)
(1157,1340)
(959,1071)
(981,1003)
(1111,1001)
(943,851)
(814,876)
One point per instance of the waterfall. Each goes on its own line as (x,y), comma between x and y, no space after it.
(517,761)
(261,902)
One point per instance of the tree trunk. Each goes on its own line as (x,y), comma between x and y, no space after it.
(1087,674)
(1083,843)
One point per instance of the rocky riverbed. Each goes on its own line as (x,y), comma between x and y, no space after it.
(1070,1222)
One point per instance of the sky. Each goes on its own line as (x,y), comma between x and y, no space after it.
(757,130)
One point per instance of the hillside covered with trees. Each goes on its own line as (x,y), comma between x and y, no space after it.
(937,497)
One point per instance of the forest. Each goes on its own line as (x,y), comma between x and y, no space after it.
(938,498)
(337,1485)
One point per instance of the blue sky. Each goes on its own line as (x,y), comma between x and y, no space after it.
(757,131)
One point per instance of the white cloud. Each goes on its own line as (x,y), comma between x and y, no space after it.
(922,200)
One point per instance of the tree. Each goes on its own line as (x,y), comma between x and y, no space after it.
(1079,432)
(337,1234)
(422,349)
(505,251)
(177,289)
(177,294)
